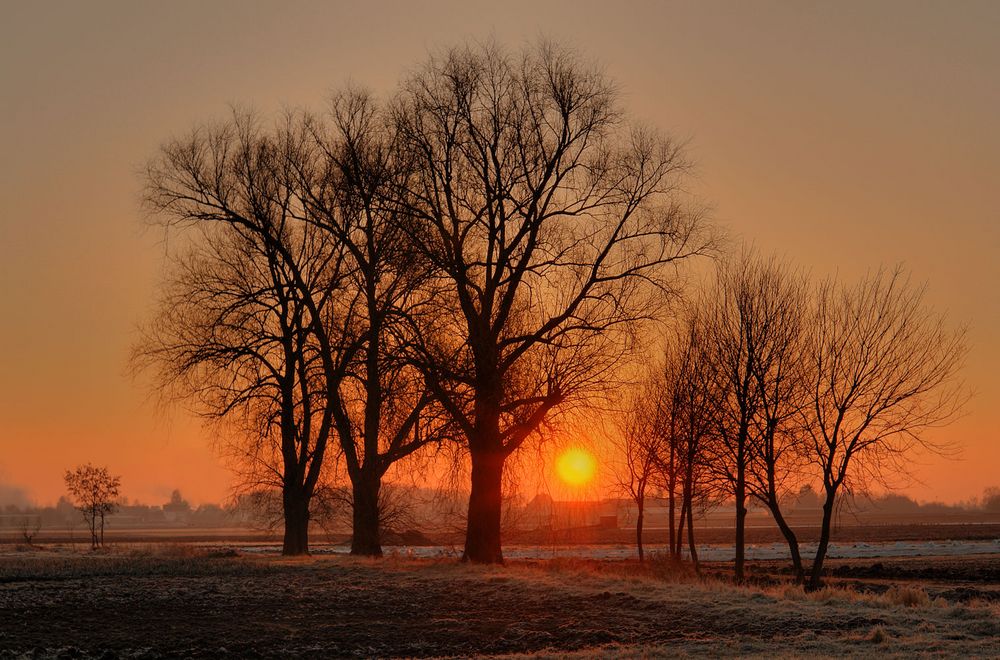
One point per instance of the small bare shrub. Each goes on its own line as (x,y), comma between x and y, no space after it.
(29,527)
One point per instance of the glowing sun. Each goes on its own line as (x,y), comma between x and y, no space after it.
(576,466)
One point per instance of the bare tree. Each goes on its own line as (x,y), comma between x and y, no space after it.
(752,320)
(729,309)
(639,442)
(384,412)
(883,371)
(550,222)
(300,328)
(777,317)
(695,401)
(95,494)
(756,324)
(29,528)
(245,325)
(667,415)
(665,432)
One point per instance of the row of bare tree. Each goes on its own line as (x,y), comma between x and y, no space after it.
(461,262)
(480,253)
(770,382)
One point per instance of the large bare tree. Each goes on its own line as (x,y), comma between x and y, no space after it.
(245,321)
(780,311)
(729,309)
(753,326)
(883,372)
(349,175)
(292,311)
(549,219)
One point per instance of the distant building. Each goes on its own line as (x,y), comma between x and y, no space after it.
(542,512)
(177,510)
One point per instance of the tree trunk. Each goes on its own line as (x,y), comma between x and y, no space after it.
(676,550)
(691,546)
(638,531)
(671,501)
(741,515)
(366,538)
(367,482)
(482,532)
(790,538)
(824,543)
(296,510)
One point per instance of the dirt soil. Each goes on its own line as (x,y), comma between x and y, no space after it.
(203,604)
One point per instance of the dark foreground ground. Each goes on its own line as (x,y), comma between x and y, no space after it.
(173,602)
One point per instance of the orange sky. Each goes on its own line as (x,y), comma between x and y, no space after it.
(842,135)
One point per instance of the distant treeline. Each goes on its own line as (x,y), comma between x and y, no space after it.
(429,509)
(895,503)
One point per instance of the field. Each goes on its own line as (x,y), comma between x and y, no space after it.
(165,600)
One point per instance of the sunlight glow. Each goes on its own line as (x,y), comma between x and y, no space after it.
(576,466)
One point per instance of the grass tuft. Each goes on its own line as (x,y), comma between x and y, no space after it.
(907,596)
(878,635)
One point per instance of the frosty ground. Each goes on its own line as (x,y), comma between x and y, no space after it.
(178,601)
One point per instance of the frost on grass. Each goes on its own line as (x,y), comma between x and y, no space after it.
(164,603)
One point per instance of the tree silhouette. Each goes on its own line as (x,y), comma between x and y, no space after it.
(291,312)
(640,441)
(733,329)
(95,494)
(550,221)
(883,369)
(384,412)
(691,401)
(757,327)
(246,318)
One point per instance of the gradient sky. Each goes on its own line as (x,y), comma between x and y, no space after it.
(842,135)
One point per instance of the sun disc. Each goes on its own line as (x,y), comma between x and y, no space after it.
(576,466)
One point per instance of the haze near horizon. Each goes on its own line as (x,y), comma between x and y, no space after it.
(841,137)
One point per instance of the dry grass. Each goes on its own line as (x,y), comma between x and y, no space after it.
(907,596)
(658,568)
(168,559)
(665,572)
(898,595)
(878,635)
(568,608)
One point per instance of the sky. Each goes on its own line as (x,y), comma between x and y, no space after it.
(839,135)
